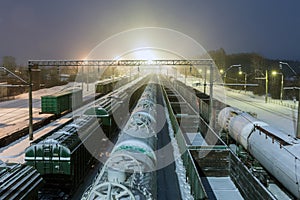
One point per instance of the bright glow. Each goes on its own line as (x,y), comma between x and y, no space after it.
(149,62)
(274,73)
(142,54)
(221,71)
(149,43)
(240,72)
(117,58)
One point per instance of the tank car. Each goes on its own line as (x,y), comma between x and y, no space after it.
(129,173)
(277,152)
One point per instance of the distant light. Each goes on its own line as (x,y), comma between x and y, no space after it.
(274,73)
(150,62)
(240,72)
(221,71)
(283,63)
(117,58)
(145,54)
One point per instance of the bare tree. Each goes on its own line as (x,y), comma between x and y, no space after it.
(9,62)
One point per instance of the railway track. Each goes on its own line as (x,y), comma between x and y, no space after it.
(205,159)
(16,108)
(83,138)
(138,162)
(14,122)
(284,115)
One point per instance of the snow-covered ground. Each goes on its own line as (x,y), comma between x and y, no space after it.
(278,116)
(14,114)
(282,116)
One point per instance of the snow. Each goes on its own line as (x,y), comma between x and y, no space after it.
(278,116)
(224,188)
(14,116)
(282,116)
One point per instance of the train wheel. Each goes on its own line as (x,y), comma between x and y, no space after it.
(110,190)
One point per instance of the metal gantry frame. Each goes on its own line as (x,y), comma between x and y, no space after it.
(97,63)
(32,63)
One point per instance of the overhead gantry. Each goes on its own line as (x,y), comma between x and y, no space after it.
(35,64)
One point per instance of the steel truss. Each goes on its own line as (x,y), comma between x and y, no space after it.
(35,64)
(32,63)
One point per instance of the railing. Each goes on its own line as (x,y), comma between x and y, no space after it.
(289,104)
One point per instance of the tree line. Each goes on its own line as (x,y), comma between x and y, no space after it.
(46,77)
(255,66)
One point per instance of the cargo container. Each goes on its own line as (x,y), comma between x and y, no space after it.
(104,87)
(108,85)
(61,101)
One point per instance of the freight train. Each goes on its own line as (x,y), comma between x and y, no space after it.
(60,156)
(19,182)
(70,99)
(129,173)
(64,155)
(277,152)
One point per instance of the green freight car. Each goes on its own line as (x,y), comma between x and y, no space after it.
(111,110)
(61,101)
(100,113)
(19,182)
(106,86)
(105,116)
(64,156)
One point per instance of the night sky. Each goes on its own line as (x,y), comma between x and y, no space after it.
(70,29)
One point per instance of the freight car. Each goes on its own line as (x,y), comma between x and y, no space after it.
(108,85)
(67,100)
(61,156)
(113,108)
(61,101)
(276,151)
(198,100)
(129,171)
(104,87)
(64,155)
(106,108)
(19,182)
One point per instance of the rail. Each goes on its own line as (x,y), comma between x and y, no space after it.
(197,188)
